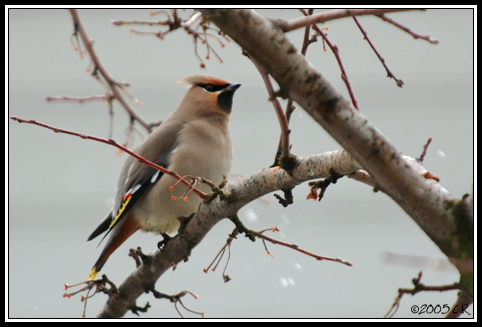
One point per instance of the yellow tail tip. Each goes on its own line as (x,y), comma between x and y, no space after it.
(93,273)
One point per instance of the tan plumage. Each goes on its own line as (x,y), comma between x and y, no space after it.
(194,140)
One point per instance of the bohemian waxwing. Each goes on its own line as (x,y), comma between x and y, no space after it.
(194,140)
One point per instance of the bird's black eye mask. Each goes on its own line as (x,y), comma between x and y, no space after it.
(212,87)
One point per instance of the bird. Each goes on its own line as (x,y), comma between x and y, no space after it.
(194,140)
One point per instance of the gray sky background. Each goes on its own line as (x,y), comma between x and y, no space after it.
(60,187)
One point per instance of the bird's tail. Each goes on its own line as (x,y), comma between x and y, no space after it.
(119,234)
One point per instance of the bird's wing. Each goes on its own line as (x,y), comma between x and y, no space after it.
(136,179)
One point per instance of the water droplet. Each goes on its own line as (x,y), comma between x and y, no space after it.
(251,215)
(287,282)
(285,219)
(283,282)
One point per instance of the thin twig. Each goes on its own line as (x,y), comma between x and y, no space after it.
(331,15)
(253,234)
(99,67)
(306,37)
(98,285)
(406,29)
(389,73)
(140,22)
(285,131)
(220,255)
(176,298)
(176,22)
(297,248)
(173,23)
(418,287)
(78,99)
(336,51)
(425,147)
(204,40)
(117,145)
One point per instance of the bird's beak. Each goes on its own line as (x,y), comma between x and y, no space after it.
(232,87)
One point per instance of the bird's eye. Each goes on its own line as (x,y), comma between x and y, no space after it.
(213,87)
(209,87)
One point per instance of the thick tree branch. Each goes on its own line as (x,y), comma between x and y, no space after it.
(445,219)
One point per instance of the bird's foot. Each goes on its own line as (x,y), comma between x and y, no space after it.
(165,239)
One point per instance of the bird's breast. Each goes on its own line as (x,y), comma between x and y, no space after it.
(201,150)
